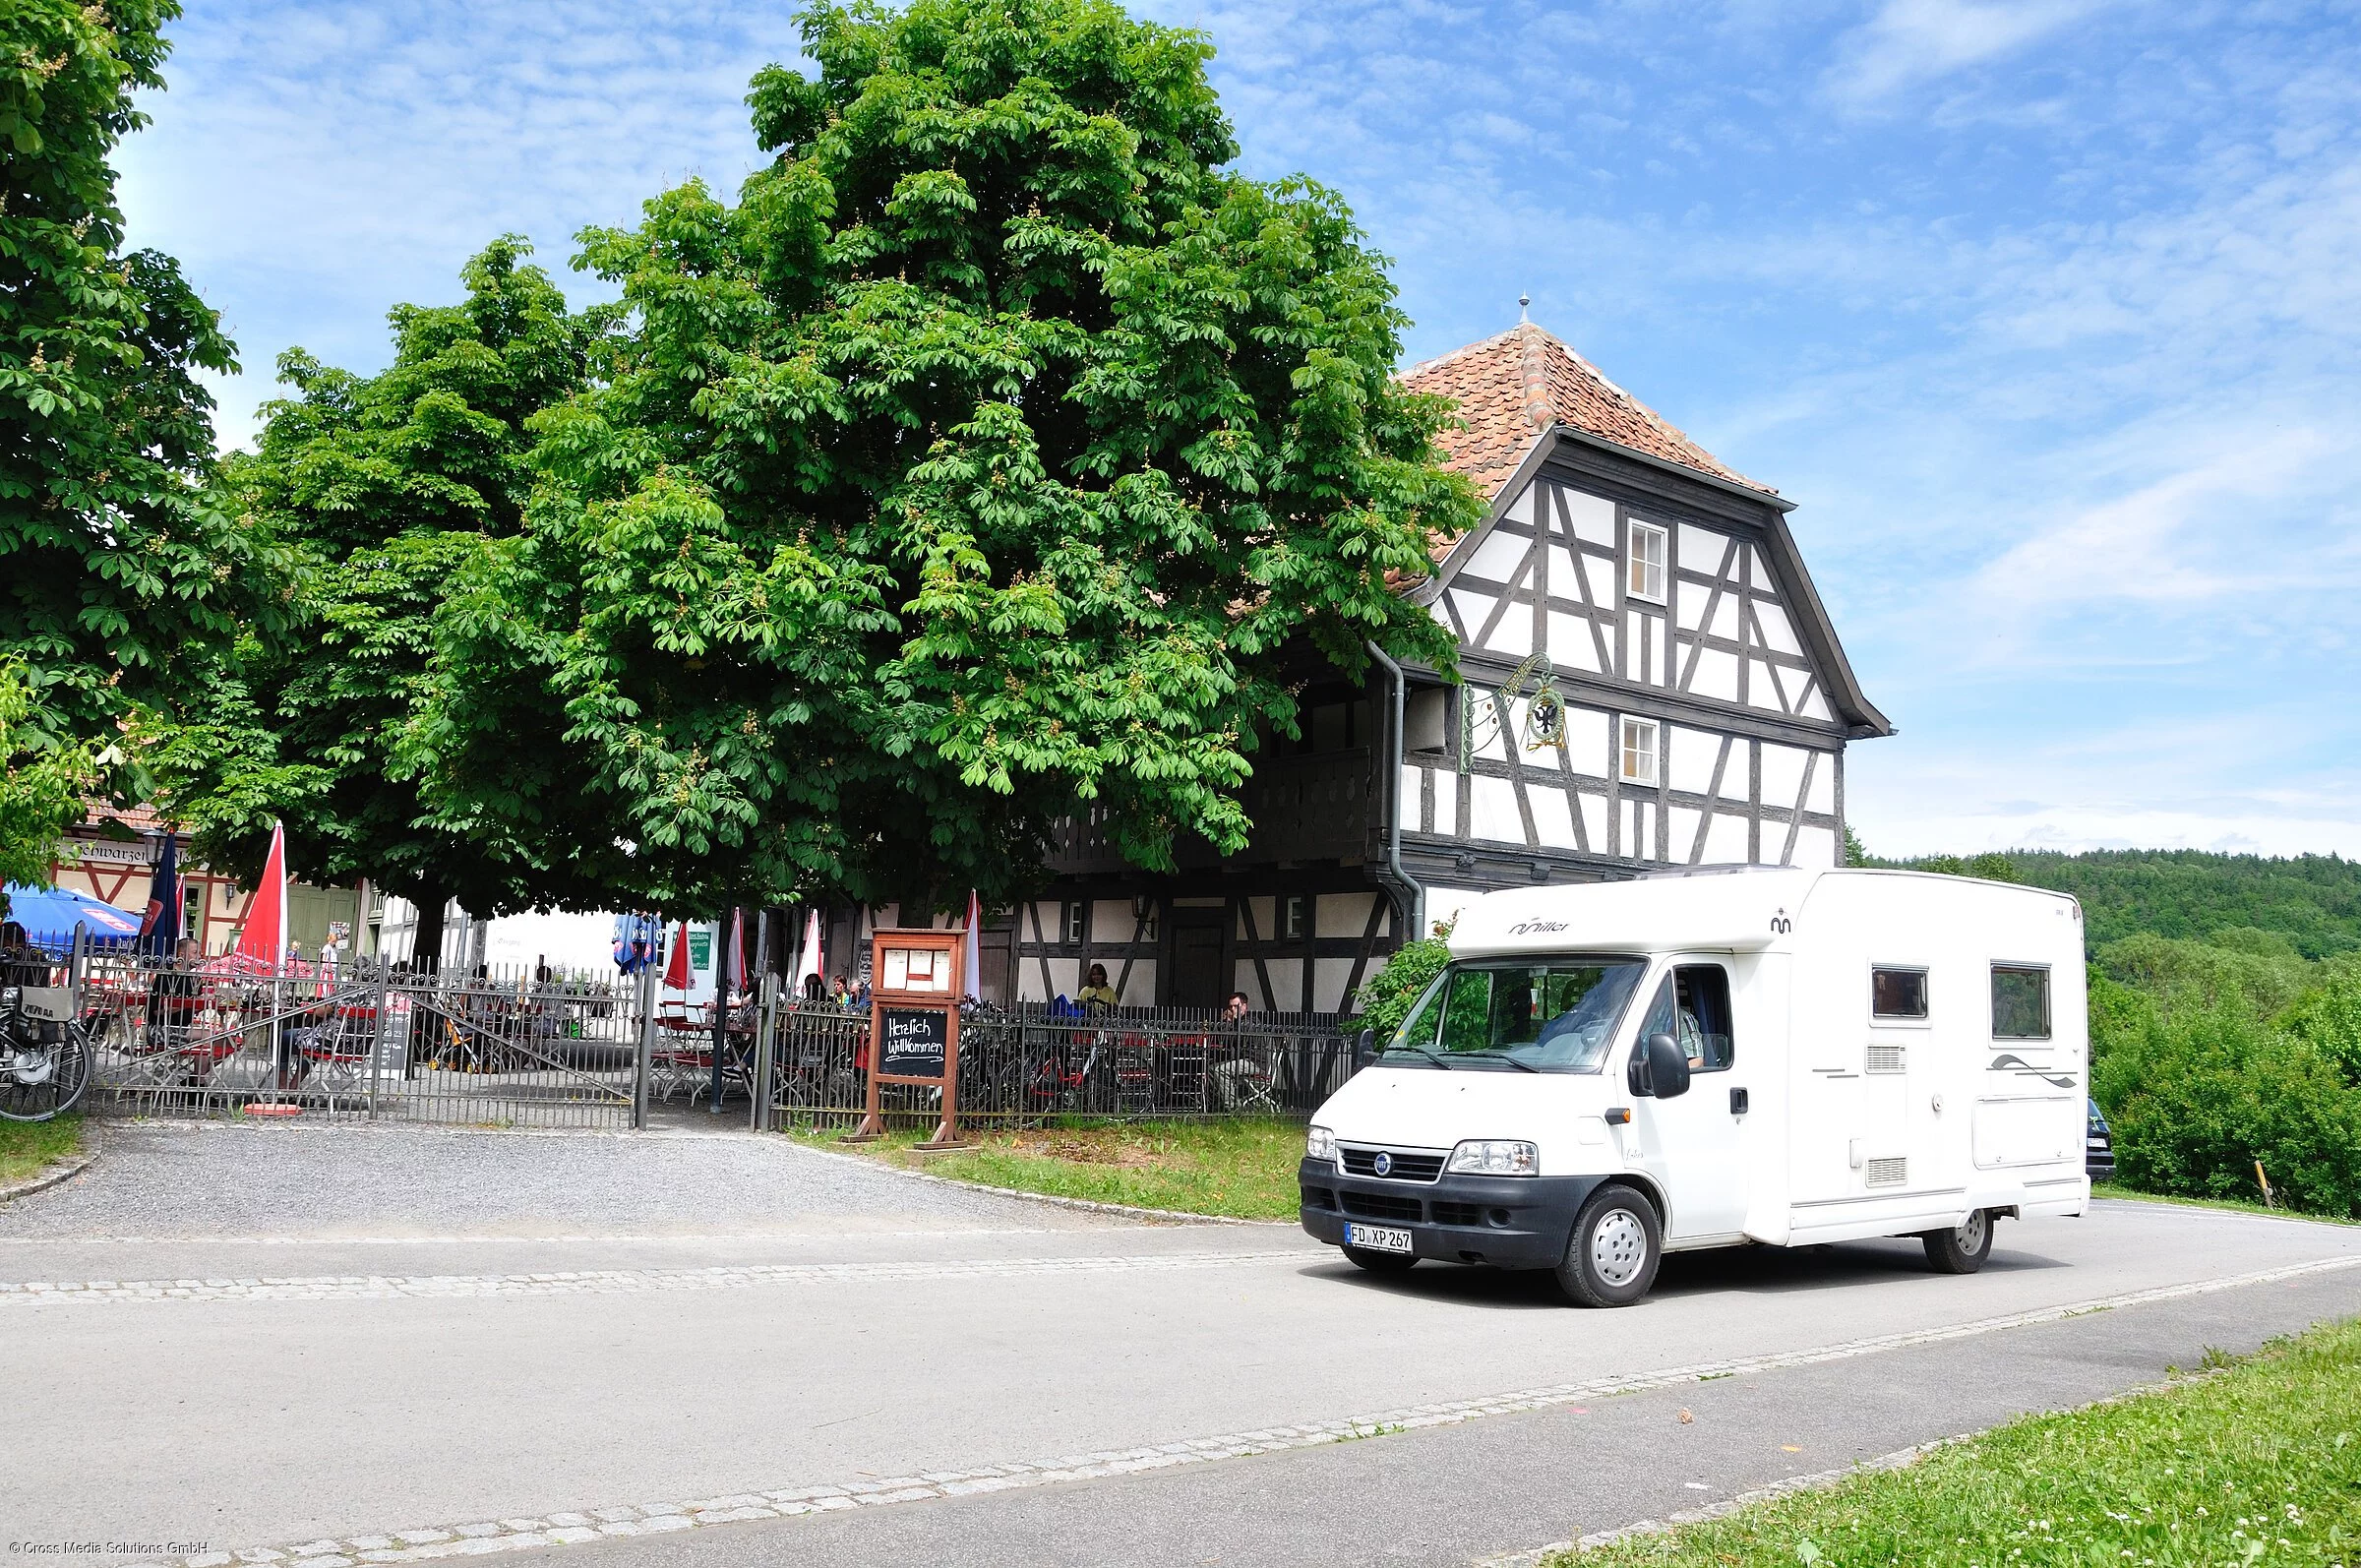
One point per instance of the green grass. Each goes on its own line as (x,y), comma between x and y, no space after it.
(27,1148)
(2108,1190)
(1241,1168)
(2258,1463)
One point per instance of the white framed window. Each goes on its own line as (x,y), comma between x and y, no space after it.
(1639,752)
(1073,917)
(1651,548)
(1295,918)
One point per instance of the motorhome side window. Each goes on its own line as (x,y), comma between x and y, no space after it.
(1692,1005)
(1897,994)
(2020,1002)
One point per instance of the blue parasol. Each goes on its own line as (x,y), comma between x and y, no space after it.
(50,914)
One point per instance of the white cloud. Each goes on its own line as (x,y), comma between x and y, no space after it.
(1910,42)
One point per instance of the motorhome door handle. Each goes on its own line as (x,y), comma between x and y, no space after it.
(1737,1102)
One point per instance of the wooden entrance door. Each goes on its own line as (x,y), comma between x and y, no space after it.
(1197,977)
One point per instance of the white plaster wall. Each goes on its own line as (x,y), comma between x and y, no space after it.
(1594,516)
(1726,840)
(1493,811)
(1328,977)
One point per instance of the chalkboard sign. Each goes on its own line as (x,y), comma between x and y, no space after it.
(913,1043)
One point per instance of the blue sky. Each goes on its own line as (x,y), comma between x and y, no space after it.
(2046,311)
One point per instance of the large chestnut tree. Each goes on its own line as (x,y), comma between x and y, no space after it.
(1000,452)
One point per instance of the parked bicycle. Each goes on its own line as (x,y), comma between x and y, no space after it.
(45,1052)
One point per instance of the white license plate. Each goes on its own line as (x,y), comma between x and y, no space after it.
(1377,1237)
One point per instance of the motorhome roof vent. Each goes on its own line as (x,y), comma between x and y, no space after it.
(1885,1059)
(1892,1172)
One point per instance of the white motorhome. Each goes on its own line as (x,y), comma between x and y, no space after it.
(1713,1057)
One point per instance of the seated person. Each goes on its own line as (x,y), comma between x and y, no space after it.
(1097,996)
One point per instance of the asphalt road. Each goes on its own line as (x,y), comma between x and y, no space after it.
(469,1328)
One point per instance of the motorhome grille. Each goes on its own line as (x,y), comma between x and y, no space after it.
(1459,1214)
(1888,1173)
(1886,1058)
(1401,1164)
(1380,1206)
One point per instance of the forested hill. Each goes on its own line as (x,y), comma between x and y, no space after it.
(2313,900)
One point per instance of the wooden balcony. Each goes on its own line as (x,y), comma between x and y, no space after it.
(1320,807)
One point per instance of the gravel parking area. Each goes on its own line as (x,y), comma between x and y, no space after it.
(198,1179)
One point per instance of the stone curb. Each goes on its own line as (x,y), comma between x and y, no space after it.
(1089,1205)
(53,1176)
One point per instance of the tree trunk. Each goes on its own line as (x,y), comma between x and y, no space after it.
(426,949)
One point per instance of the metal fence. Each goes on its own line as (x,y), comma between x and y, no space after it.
(508,1047)
(482,1047)
(1031,1063)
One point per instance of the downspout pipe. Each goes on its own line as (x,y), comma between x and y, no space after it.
(1393,797)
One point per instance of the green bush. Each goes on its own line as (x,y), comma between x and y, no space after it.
(2328,1016)
(1385,997)
(2254,973)
(2199,1099)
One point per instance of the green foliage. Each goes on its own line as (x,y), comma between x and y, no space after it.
(390,486)
(1991,867)
(2328,1015)
(2259,1461)
(41,796)
(2313,900)
(2254,974)
(2209,1055)
(997,450)
(2196,1100)
(1386,997)
(115,556)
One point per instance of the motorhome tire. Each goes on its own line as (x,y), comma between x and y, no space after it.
(1613,1253)
(1963,1248)
(1378,1263)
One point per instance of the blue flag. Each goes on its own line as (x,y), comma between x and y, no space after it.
(159,929)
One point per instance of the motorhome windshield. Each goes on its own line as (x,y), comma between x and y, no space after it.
(1547,1015)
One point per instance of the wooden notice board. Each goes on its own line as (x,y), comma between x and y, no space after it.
(915,986)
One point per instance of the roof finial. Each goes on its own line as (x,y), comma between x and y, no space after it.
(1524,302)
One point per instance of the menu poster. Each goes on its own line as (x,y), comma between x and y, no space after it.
(917,969)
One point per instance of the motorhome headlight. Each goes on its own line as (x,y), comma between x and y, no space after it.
(1495,1157)
(1320,1144)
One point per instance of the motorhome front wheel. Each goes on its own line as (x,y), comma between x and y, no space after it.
(1613,1254)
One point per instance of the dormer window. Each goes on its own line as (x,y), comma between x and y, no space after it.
(1645,578)
(1636,757)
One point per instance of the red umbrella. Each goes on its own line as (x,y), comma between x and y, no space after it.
(676,968)
(262,940)
(738,949)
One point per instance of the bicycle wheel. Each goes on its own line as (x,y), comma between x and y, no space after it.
(38,1082)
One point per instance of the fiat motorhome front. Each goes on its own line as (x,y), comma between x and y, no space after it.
(1609,1072)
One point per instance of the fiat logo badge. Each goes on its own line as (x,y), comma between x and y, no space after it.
(1384,1163)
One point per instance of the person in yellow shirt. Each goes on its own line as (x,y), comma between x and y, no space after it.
(1096,995)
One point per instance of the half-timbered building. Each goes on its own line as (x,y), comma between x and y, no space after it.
(1648,679)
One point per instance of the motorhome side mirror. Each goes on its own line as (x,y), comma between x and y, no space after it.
(1667,1067)
(1364,1050)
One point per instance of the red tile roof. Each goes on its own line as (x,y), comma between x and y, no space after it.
(1513,387)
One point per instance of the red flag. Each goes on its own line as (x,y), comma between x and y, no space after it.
(262,940)
(676,968)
